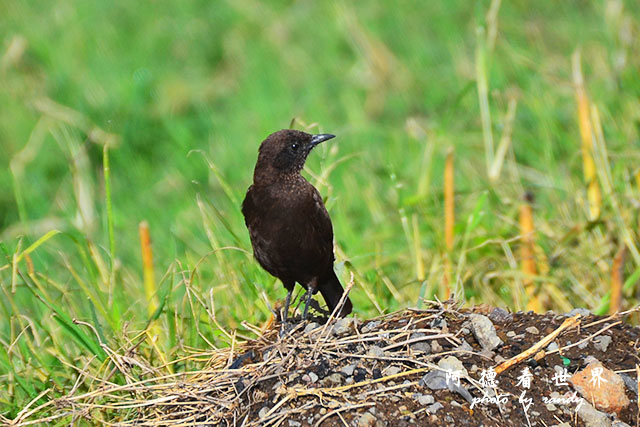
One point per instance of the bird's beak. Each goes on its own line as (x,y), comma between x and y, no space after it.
(317,139)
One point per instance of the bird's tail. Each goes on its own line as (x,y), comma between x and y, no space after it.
(331,291)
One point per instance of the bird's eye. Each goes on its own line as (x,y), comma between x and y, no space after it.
(294,146)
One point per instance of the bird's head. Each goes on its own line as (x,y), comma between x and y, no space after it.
(285,151)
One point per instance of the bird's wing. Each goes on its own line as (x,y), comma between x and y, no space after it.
(321,222)
(248,207)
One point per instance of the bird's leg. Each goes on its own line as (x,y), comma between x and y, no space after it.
(287,302)
(310,291)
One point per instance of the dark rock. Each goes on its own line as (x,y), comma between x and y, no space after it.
(359,375)
(376,373)
(438,323)
(500,315)
(630,383)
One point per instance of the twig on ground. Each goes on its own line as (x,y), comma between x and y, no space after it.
(569,323)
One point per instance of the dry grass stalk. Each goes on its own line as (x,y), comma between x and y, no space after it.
(606,181)
(449,217)
(417,249)
(505,142)
(483,95)
(492,23)
(617,280)
(262,382)
(586,133)
(147,268)
(225,392)
(153,330)
(569,323)
(527,259)
(449,203)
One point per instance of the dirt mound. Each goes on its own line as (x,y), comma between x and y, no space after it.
(439,366)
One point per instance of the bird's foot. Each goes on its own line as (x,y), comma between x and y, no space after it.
(285,328)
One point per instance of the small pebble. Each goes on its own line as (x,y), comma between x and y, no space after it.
(465,346)
(377,374)
(608,394)
(434,380)
(332,380)
(359,375)
(422,346)
(592,417)
(392,370)
(590,359)
(344,326)
(552,347)
(500,315)
(432,409)
(532,330)
(348,370)
(436,347)
(293,423)
(602,342)
(551,407)
(371,326)
(487,354)
(263,412)
(424,399)
(375,351)
(311,327)
(367,420)
(580,311)
(511,334)
(631,383)
(452,364)
(484,331)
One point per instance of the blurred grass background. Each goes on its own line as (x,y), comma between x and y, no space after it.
(179,95)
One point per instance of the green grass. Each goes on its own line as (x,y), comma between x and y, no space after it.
(183,92)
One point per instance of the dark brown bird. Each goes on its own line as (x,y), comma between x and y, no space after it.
(289,226)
